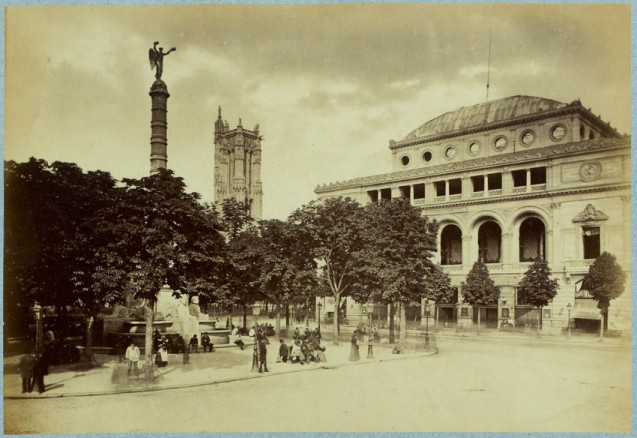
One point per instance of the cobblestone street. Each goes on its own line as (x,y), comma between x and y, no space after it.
(472,385)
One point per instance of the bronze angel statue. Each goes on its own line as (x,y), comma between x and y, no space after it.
(156,58)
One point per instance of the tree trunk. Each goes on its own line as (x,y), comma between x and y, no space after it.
(337,305)
(88,352)
(478,319)
(278,320)
(245,316)
(436,310)
(392,338)
(539,320)
(601,324)
(287,317)
(403,322)
(148,344)
(230,318)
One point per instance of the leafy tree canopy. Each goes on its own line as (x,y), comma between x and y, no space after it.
(605,280)
(479,289)
(536,287)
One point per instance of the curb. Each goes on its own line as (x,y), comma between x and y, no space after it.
(220,381)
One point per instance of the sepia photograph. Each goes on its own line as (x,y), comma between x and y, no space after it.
(326,218)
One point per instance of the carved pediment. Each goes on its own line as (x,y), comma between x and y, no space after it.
(590,214)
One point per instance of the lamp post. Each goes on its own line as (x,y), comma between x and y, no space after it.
(319,316)
(568,329)
(37,310)
(370,335)
(255,351)
(427,324)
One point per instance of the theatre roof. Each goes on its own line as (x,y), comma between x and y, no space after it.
(484,114)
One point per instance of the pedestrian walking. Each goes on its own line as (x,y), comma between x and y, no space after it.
(26,365)
(40,369)
(354,354)
(132,356)
(263,352)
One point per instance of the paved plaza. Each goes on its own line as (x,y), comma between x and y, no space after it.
(494,384)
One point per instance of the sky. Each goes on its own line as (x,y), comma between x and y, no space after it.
(329,85)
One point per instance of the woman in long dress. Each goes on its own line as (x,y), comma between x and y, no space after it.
(354,355)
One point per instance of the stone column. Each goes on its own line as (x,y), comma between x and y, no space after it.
(466,251)
(506,258)
(466,187)
(158,125)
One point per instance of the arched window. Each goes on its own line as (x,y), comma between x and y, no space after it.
(531,239)
(489,242)
(451,245)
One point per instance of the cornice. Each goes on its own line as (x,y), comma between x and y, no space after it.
(523,196)
(531,155)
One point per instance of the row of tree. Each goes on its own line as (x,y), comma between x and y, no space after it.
(87,240)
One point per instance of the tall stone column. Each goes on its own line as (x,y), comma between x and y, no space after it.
(158,126)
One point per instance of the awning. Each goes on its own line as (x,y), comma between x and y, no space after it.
(586,309)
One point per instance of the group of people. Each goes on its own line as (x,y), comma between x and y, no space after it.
(306,347)
(33,367)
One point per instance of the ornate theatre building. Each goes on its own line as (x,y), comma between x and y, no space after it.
(508,181)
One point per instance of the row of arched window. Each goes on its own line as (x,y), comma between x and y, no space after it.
(531,242)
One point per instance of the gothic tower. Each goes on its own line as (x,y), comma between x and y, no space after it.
(238,166)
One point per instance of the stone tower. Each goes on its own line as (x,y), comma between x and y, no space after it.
(159,125)
(238,166)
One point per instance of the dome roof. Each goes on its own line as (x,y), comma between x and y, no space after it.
(484,113)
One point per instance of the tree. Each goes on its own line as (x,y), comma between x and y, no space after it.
(235,216)
(333,230)
(38,240)
(536,288)
(97,267)
(605,281)
(242,270)
(56,252)
(438,287)
(399,243)
(171,239)
(479,289)
(288,270)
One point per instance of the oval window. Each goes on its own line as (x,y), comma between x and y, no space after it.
(558,132)
(527,138)
(500,143)
(404,160)
(474,147)
(450,152)
(426,156)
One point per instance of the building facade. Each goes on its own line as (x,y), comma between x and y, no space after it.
(238,166)
(508,181)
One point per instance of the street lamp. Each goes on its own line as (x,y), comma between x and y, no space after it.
(255,351)
(370,348)
(427,305)
(319,316)
(37,310)
(568,330)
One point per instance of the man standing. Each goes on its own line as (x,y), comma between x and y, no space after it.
(262,356)
(132,356)
(25,366)
(40,369)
